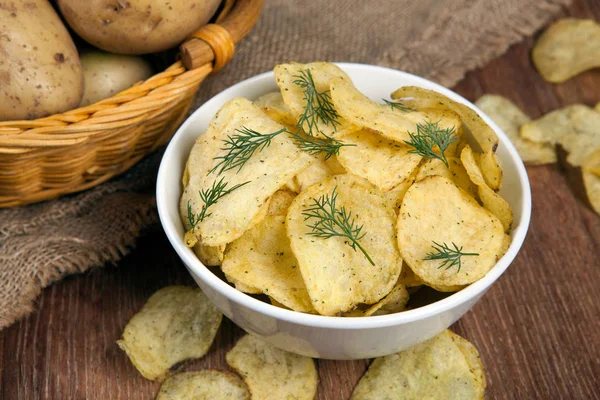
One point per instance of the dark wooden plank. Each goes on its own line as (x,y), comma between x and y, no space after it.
(537,328)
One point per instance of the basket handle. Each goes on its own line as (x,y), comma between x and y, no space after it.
(214,43)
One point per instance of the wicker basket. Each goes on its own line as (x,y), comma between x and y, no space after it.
(65,153)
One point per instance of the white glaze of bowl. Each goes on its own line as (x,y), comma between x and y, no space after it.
(320,336)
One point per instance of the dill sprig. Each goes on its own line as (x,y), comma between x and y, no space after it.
(209,197)
(240,147)
(398,106)
(319,106)
(450,256)
(314,146)
(333,222)
(429,135)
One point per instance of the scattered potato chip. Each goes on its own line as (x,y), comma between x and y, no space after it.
(293,78)
(456,173)
(567,48)
(204,385)
(315,173)
(383,118)
(337,277)
(274,106)
(591,180)
(176,324)
(263,174)
(384,163)
(209,255)
(280,202)
(576,128)
(435,211)
(510,118)
(472,357)
(272,373)
(483,134)
(262,258)
(434,369)
(490,199)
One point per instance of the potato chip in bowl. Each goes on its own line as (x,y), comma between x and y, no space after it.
(310,188)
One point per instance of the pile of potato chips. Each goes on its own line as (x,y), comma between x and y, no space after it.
(331,203)
(179,323)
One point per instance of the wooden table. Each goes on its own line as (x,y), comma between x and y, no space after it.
(538,328)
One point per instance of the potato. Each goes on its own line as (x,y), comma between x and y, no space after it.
(136,26)
(40,73)
(107,74)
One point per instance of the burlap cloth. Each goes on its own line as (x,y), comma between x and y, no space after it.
(437,39)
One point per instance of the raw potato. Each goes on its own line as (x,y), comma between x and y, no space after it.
(490,199)
(204,385)
(382,118)
(510,118)
(435,369)
(576,128)
(108,74)
(136,26)
(483,134)
(293,94)
(266,171)
(337,277)
(262,258)
(176,324)
(456,173)
(383,162)
(567,48)
(436,210)
(271,373)
(40,73)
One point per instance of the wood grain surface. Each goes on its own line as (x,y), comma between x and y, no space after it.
(538,327)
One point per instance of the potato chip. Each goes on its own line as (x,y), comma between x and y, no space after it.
(436,213)
(265,172)
(384,163)
(337,277)
(472,357)
(315,173)
(294,81)
(567,48)
(393,198)
(392,123)
(490,199)
(204,385)
(591,180)
(576,128)
(455,172)
(277,304)
(209,255)
(243,287)
(262,258)
(483,134)
(394,302)
(271,373)
(280,202)
(408,277)
(510,118)
(334,166)
(274,106)
(177,323)
(435,369)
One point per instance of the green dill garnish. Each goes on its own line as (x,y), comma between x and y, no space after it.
(319,106)
(398,106)
(210,197)
(450,256)
(314,146)
(428,136)
(330,221)
(240,147)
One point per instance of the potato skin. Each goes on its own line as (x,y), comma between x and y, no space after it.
(107,74)
(40,73)
(136,26)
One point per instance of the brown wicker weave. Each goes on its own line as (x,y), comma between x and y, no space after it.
(73,151)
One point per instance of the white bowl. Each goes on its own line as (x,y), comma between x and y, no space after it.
(315,335)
